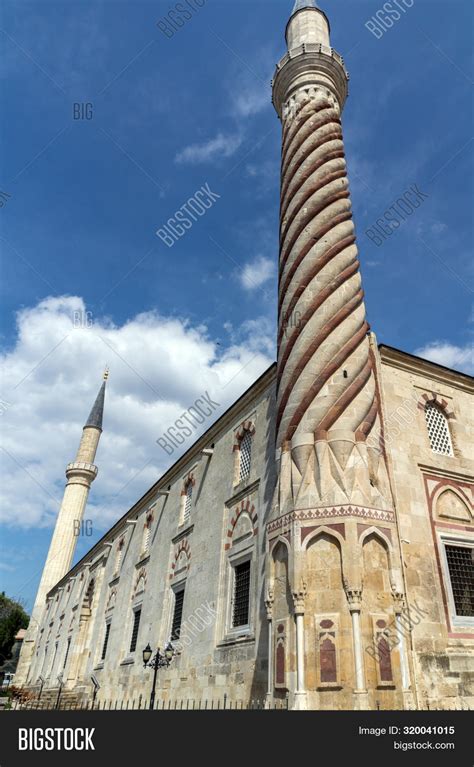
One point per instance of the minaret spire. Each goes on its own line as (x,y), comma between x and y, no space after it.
(97,413)
(80,475)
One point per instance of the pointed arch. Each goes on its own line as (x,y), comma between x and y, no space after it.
(323,530)
(377,533)
(445,492)
(246,509)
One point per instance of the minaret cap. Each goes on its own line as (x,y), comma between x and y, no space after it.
(300,4)
(97,412)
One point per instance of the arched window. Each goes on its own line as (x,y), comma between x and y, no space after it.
(245,459)
(438,429)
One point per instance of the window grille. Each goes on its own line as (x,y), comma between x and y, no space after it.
(438,430)
(136,626)
(67,652)
(240,612)
(177,615)
(118,558)
(245,456)
(106,640)
(461,574)
(188,502)
(146,536)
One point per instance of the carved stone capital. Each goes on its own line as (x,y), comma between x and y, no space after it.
(399,599)
(269,603)
(354,596)
(299,597)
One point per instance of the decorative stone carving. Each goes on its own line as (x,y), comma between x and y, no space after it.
(299,596)
(269,599)
(354,597)
(399,599)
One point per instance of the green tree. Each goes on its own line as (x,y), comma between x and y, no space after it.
(12,618)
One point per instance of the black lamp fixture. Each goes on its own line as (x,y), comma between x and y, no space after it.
(147,653)
(160,660)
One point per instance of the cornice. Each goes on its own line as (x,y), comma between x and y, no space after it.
(409,363)
(437,471)
(243,493)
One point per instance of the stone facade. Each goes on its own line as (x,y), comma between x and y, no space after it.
(231,520)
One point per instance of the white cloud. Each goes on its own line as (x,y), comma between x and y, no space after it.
(257,272)
(458,357)
(50,378)
(251,101)
(223,145)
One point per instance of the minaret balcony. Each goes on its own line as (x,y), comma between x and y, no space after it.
(81,470)
(311,48)
(307,66)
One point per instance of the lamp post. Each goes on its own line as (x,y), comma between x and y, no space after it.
(60,680)
(160,660)
(96,684)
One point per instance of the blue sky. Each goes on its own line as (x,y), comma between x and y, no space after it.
(169,115)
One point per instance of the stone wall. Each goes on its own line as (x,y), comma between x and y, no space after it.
(434,503)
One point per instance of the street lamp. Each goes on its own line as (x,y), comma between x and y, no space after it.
(160,660)
(60,680)
(41,681)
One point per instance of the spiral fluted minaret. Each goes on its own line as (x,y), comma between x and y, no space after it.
(327,403)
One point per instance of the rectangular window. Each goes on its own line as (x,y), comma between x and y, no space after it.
(136,625)
(54,658)
(67,652)
(461,574)
(188,502)
(106,640)
(245,456)
(240,611)
(146,537)
(177,615)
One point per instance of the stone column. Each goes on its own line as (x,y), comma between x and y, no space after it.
(269,606)
(400,607)
(354,597)
(300,697)
(405,671)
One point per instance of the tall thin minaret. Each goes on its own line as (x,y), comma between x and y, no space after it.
(80,474)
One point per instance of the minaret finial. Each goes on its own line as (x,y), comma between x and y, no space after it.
(97,412)
(300,4)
